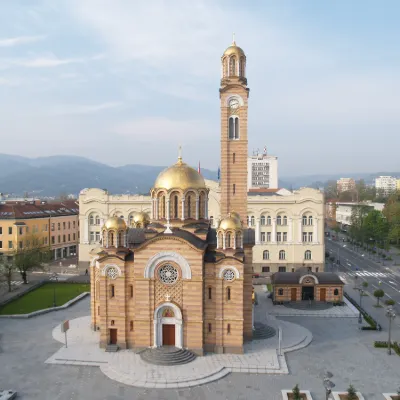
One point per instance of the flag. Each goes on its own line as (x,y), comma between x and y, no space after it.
(198,170)
(219,173)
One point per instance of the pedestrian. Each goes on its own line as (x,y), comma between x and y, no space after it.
(86,272)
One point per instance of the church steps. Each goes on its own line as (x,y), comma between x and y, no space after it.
(167,356)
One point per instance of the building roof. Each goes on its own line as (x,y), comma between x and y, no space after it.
(263,190)
(32,210)
(293,278)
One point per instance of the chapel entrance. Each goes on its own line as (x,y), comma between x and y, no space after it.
(168,334)
(113,336)
(322,294)
(307,292)
(293,294)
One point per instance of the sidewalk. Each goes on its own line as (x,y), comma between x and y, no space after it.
(17,290)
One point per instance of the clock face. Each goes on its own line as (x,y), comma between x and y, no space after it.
(234,103)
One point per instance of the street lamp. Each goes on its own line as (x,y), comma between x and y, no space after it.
(391,315)
(328,384)
(54,290)
(361,290)
(355,281)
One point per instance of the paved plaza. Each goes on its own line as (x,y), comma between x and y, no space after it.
(337,346)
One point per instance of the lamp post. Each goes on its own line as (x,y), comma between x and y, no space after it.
(328,384)
(54,290)
(361,290)
(391,315)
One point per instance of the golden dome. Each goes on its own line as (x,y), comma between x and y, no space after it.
(179,176)
(141,218)
(234,50)
(115,223)
(230,222)
(236,215)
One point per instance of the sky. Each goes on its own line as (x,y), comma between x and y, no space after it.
(127,81)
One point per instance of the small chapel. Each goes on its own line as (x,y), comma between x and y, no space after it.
(169,279)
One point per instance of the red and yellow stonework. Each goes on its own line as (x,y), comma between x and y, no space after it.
(172,279)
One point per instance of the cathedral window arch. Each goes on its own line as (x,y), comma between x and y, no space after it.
(111,239)
(225,67)
(228,293)
(176,206)
(120,240)
(189,206)
(234,130)
(242,67)
(232,66)
(228,240)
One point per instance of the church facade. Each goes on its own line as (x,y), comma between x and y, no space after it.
(171,279)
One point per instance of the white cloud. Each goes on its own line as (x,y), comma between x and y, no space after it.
(46,62)
(16,41)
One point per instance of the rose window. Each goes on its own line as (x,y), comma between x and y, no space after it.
(229,275)
(112,272)
(168,274)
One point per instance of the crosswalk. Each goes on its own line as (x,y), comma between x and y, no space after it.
(14,283)
(371,274)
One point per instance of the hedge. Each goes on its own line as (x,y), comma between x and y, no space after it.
(373,325)
(384,345)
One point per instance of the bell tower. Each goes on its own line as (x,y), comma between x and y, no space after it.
(234,95)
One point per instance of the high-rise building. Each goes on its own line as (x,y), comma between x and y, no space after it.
(345,184)
(262,171)
(386,184)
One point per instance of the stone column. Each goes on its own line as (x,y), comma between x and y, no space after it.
(86,231)
(258,231)
(290,230)
(156,208)
(273,234)
(183,208)
(315,233)
(234,241)
(224,241)
(155,333)
(197,206)
(167,210)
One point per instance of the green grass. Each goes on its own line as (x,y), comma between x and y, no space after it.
(43,297)
(269,287)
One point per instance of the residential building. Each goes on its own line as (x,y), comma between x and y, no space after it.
(344,210)
(262,171)
(23,224)
(345,184)
(387,184)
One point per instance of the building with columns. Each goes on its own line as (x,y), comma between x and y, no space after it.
(165,275)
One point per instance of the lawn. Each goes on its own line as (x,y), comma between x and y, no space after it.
(43,297)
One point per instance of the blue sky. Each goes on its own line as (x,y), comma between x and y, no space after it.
(125,81)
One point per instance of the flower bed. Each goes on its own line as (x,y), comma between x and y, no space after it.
(344,396)
(304,394)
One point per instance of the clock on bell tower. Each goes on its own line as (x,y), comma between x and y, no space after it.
(234,95)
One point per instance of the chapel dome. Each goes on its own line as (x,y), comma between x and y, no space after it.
(234,50)
(231,222)
(179,176)
(115,223)
(141,218)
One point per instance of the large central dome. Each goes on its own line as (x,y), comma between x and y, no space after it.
(179,176)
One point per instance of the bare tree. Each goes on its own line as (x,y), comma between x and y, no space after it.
(6,270)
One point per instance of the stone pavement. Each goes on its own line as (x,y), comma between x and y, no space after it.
(127,367)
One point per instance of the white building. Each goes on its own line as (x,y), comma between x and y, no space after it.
(386,183)
(344,210)
(262,171)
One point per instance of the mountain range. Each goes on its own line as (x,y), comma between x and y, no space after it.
(56,175)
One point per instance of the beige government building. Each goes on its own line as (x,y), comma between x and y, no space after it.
(174,268)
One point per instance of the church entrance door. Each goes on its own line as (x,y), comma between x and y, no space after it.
(293,294)
(168,332)
(322,294)
(113,336)
(307,292)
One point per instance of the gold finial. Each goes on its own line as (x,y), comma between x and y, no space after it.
(180,154)
(233,39)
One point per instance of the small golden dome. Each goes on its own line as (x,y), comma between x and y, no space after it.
(179,176)
(141,218)
(115,223)
(230,222)
(236,215)
(234,50)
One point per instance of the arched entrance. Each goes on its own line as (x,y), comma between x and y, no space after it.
(168,326)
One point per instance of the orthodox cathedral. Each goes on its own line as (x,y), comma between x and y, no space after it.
(170,279)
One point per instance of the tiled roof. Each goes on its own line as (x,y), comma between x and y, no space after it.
(287,278)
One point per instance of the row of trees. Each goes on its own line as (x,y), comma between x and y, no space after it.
(24,260)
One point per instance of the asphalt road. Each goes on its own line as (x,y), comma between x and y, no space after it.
(357,264)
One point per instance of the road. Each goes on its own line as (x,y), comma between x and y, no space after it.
(358,264)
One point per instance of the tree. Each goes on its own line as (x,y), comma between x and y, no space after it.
(357,230)
(6,270)
(365,284)
(375,226)
(390,302)
(32,255)
(378,293)
(351,393)
(296,392)
(392,214)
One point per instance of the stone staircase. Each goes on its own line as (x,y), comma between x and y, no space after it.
(262,331)
(167,355)
(112,348)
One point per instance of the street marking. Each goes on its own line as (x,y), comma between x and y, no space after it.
(393,283)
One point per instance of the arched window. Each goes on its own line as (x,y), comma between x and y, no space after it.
(131,219)
(310,221)
(282,255)
(228,293)
(97,220)
(112,291)
(237,128)
(252,220)
(268,220)
(175,206)
(120,244)
(189,205)
(232,66)
(241,66)
(285,220)
(225,67)
(336,292)
(280,292)
(212,220)
(231,128)
(91,220)
(228,240)
(238,240)
(265,255)
(111,239)
(307,255)
(279,220)
(262,220)
(304,219)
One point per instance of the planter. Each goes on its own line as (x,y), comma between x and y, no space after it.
(343,396)
(288,395)
(391,396)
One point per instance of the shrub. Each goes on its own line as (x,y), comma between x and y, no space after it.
(390,302)
(378,294)
(365,284)
(351,393)
(296,392)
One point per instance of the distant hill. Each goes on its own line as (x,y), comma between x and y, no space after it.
(55,175)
